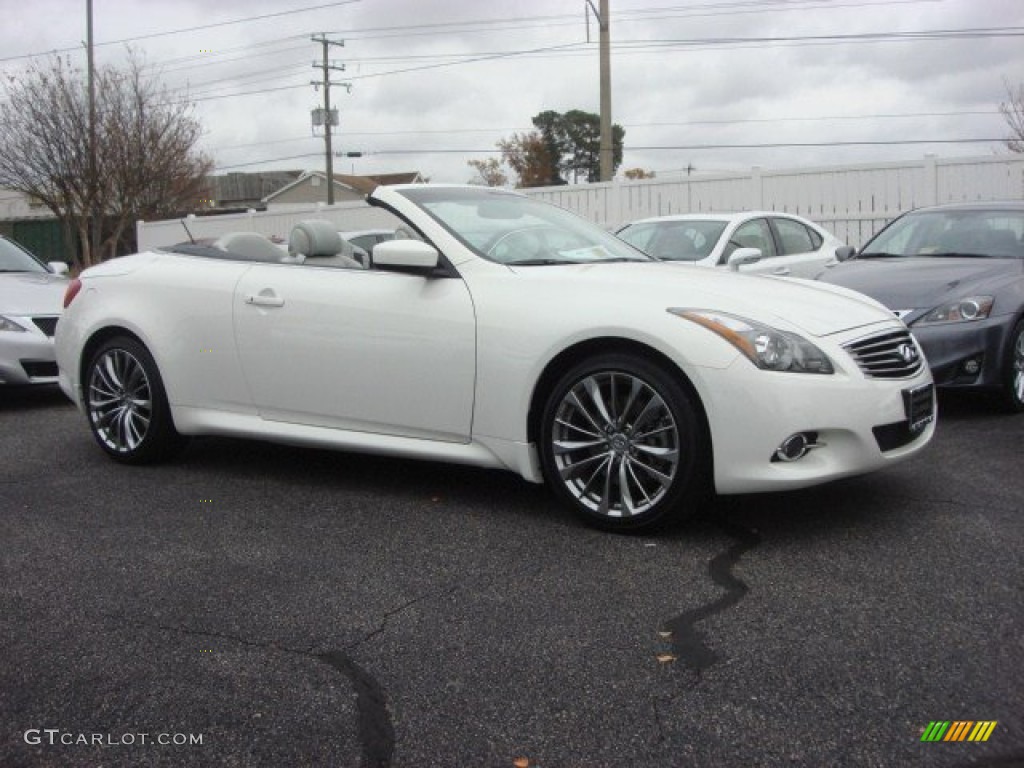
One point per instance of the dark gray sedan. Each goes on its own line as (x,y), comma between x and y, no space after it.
(955,275)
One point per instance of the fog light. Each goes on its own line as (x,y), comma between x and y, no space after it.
(972,367)
(795,447)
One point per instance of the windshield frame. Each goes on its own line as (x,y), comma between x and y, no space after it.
(593,244)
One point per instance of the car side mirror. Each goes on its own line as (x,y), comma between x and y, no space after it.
(57,267)
(742,256)
(845,252)
(405,255)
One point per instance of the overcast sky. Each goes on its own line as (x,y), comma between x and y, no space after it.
(438,82)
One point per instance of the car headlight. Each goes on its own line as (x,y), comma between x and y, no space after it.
(768,348)
(960,311)
(10,325)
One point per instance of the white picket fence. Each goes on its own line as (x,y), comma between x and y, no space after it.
(853,202)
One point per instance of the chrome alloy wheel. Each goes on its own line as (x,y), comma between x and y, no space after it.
(119,399)
(615,444)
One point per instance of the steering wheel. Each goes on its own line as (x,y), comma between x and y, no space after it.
(518,245)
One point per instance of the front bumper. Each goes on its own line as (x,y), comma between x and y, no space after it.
(965,354)
(860,424)
(26,358)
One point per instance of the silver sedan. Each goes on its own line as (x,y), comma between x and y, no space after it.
(31,297)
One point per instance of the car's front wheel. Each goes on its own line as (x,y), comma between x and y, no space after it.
(621,442)
(126,403)
(1014,376)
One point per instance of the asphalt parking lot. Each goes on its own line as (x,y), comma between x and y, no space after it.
(290,607)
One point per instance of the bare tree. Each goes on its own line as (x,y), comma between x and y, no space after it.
(490,172)
(147,163)
(1013,113)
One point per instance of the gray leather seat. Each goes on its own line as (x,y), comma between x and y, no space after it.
(249,246)
(321,245)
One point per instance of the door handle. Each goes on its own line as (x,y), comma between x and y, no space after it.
(781,271)
(266,298)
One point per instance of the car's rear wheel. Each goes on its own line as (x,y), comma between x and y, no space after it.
(126,403)
(1014,385)
(621,443)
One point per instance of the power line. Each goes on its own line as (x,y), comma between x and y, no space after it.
(799,144)
(504,55)
(485,25)
(694,44)
(632,126)
(688,147)
(197,28)
(269,160)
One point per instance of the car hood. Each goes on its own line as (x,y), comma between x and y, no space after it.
(810,306)
(31,293)
(918,282)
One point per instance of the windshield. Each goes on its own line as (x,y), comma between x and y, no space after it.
(14,259)
(689,240)
(980,233)
(512,229)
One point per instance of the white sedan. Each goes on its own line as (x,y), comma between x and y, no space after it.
(508,333)
(786,245)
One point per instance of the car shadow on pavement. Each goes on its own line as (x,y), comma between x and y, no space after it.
(26,398)
(965,406)
(405,481)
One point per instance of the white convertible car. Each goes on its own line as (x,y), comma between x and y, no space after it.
(505,333)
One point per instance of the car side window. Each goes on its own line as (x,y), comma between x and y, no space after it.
(751,234)
(794,237)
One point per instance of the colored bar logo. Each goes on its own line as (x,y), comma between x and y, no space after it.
(958,730)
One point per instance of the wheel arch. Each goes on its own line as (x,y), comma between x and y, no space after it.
(583,350)
(99,338)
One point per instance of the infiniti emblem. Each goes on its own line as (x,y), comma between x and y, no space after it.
(907,352)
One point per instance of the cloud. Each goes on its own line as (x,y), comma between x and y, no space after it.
(666,90)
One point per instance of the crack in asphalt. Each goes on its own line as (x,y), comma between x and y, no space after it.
(373,721)
(688,644)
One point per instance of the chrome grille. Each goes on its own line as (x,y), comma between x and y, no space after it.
(892,355)
(47,325)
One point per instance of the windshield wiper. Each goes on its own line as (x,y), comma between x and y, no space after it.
(878,255)
(555,262)
(539,262)
(954,255)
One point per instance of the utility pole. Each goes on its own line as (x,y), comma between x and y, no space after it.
(94,213)
(330,118)
(606,153)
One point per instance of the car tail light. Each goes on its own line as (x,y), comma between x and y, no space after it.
(73,288)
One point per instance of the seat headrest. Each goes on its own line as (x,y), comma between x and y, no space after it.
(315,237)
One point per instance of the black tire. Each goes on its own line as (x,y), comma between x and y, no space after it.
(623,445)
(126,404)
(1013,370)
